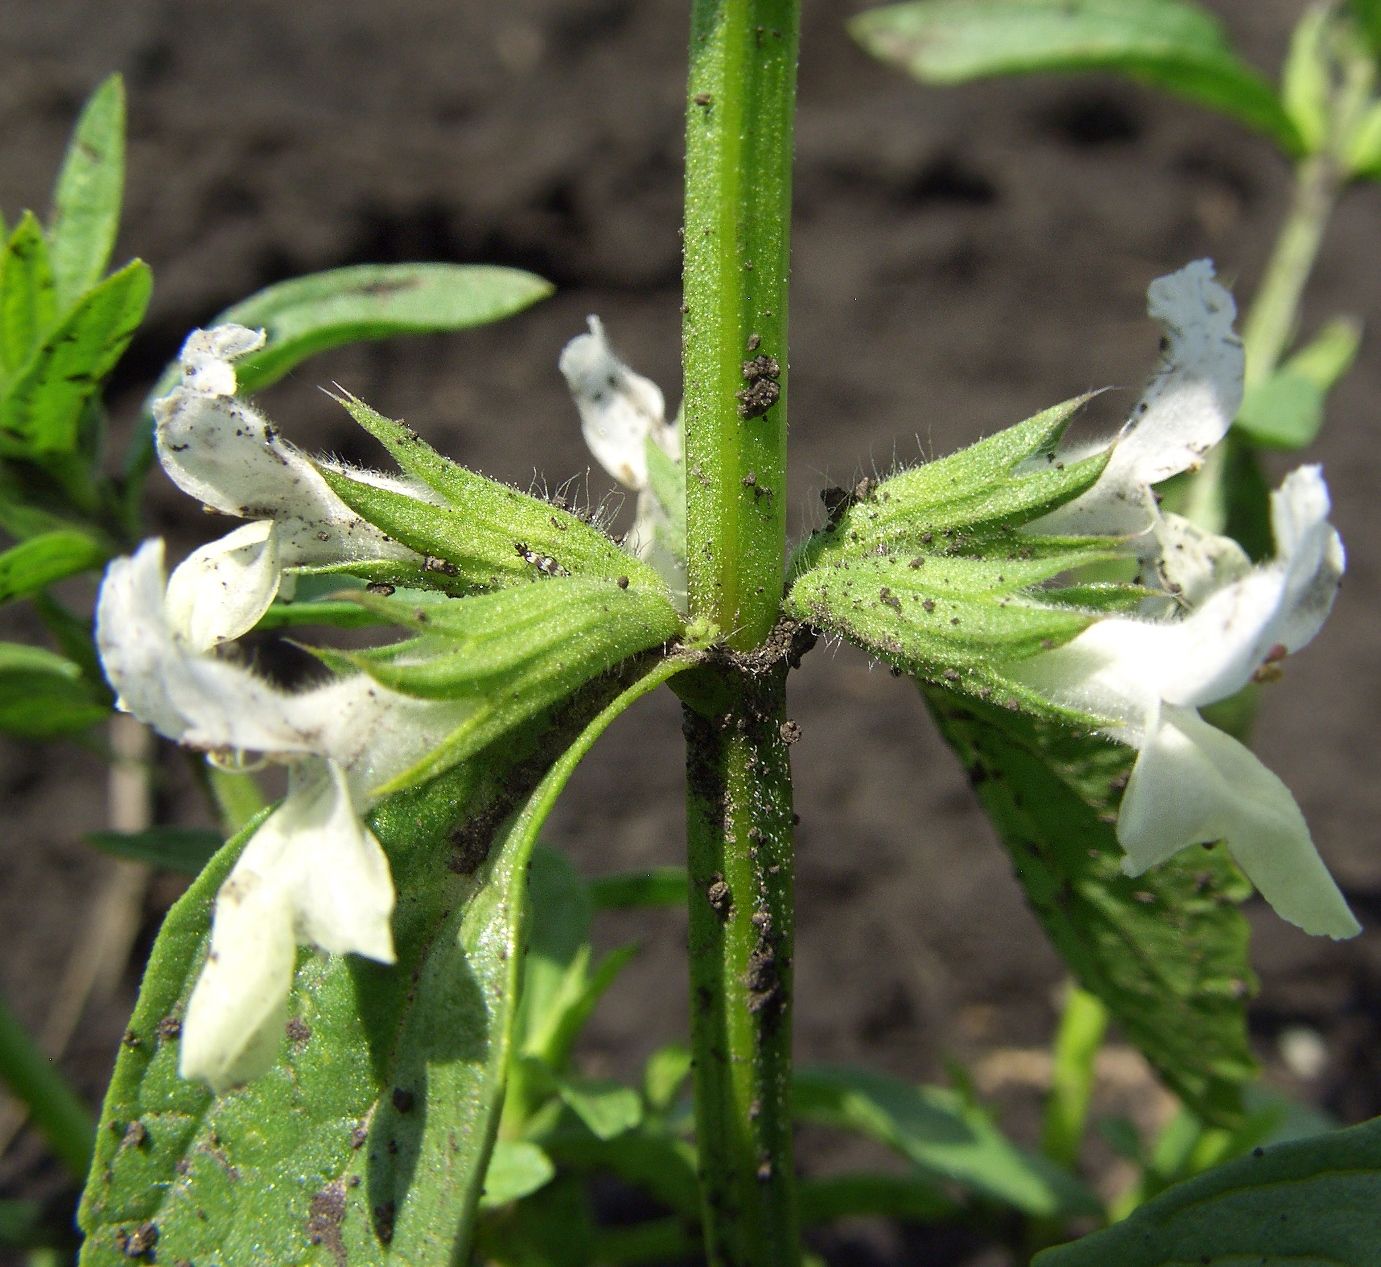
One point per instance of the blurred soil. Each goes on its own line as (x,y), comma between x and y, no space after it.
(962,258)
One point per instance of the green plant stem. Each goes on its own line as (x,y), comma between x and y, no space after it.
(55,1108)
(739,824)
(1274,312)
(1082,1026)
(740,109)
(739,115)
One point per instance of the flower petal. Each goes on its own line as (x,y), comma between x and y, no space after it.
(221,451)
(619,409)
(234,1020)
(1184,410)
(219,591)
(340,884)
(1193,784)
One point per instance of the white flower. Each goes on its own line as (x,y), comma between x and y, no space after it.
(1192,783)
(1184,411)
(313,872)
(223,452)
(620,413)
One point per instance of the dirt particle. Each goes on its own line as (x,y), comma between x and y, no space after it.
(756,399)
(381,588)
(138,1243)
(703,99)
(431,563)
(791,731)
(889,599)
(470,843)
(359,1136)
(928,604)
(136,1135)
(169,1028)
(754,342)
(324,1217)
(719,897)
(622,582)
(403,1099)
(385,1215)
(298,1030)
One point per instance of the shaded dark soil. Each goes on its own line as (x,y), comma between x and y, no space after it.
(962,259)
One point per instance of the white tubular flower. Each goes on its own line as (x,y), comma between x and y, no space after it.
(1185,409)
(620,412)
(223,452)
(313,872)
(1193,784)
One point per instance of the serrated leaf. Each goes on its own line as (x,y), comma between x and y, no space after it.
(1310,1203)
(1168,44)
(41,412)
(86,200)
(517,1168)
(937,1130)
(1166,952)
(183,849)
(369,1140)
(28,295)
(40,561)
(44,696)
(493,530)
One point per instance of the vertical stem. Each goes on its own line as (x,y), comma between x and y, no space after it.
(742,98)
(740,861)
(1275,309)
(739,113)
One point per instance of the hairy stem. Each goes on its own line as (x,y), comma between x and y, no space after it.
(738,205)
(739,825)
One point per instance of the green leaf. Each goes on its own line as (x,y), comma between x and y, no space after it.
(28,298)
(628,890)
(365,302)
(665,1074)
(184,849)
(1368,16)
(1168,44)
(607,1108)
(954,620)
(1310,1203)
(369,1140)
(28,567)
(912,1197)
(1166,952)
(44,696)
(1306,78)
(489,532)
(1287,409)
(42,409)
(86,201)
(942,1134)
(517,1168)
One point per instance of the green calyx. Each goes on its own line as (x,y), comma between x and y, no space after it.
(932,571)
(473,532)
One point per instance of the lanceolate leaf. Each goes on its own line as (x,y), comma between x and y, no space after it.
(86,202)
(43,695)
(368,1141)
(1167,43)
(1166,951)
(28,567)
(40,412)
(1308,1202)
(27,294)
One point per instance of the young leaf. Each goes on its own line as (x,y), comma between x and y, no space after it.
(626,890)
(183,849)
(370,1139)
(1309,1201)
(44,696)
(517,1168)
(606,1107)
(1169,44)
(86,201)
(1305,80)
(28,567)
(938,1131)
(1287,409)
(28,303)
(1166,951)
(41,411)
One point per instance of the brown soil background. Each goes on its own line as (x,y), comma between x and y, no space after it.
(962,258)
